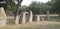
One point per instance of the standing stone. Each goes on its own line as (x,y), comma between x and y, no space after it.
(23,19)
(38,18)
(31,16)
(48,17)
(2,17)
(17,20)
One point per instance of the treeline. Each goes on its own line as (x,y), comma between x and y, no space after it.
(36,7)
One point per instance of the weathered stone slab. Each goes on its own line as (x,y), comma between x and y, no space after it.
(31,16)
(24,17)
(38,18)
(17,20)
(2,17)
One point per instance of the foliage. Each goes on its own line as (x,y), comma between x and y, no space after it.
(39,8)
(35,7)
(9,6)
(56,4)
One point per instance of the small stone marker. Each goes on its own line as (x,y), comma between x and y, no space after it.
(2,17)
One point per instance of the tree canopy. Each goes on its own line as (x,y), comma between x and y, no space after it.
(35,7)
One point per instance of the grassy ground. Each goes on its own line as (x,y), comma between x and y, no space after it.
(54,23)
(35,25)
(55,19)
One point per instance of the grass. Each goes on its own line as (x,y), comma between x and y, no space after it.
(32,26)
(55,19)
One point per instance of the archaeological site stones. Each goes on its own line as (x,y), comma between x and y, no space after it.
(2,17)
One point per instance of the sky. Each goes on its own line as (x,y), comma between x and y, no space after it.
(27,2)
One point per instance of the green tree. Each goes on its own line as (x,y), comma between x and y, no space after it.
(36,7)
(23,8)
(57,6)
(9,6)
(17,11)
(40,8)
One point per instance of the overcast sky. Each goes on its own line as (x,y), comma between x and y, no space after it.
(27,2)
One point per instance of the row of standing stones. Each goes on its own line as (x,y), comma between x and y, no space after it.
(23,17)
(3,17)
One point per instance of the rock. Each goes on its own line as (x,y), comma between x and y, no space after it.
(2,17)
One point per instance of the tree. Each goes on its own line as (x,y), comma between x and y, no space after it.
(17,12)
(56,4)
(2,0)
(36,8)
(40,8)
(23,8)
(9,7)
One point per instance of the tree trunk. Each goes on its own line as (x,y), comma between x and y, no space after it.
(17,12)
